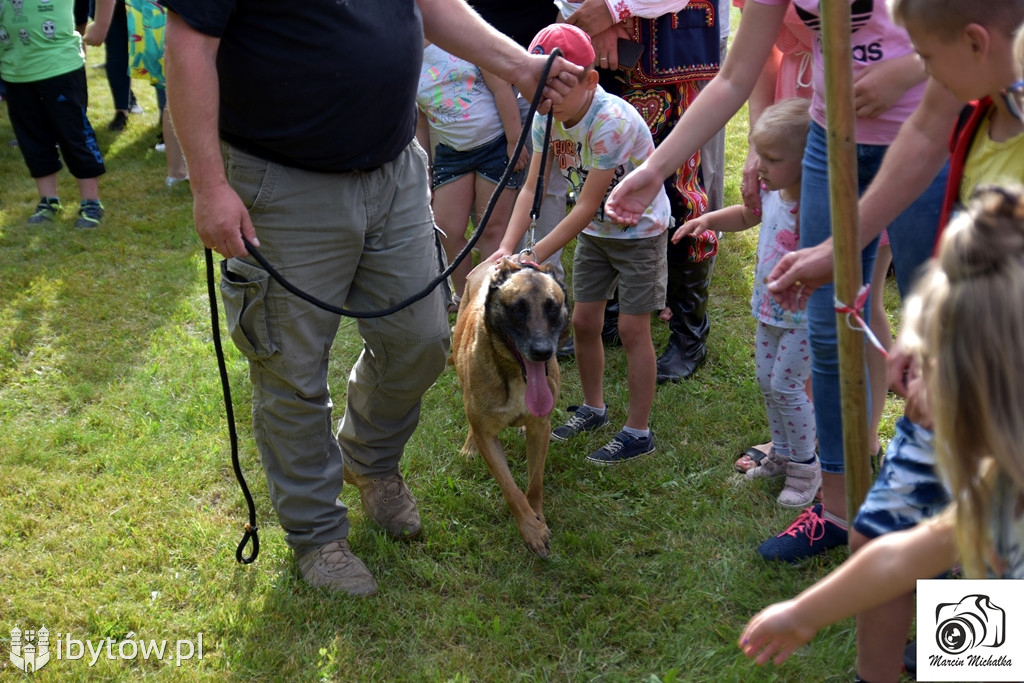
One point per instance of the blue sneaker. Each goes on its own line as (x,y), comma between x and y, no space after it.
(621,448)
(808,535)
(583,420)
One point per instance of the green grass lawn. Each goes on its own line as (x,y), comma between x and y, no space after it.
(119,512)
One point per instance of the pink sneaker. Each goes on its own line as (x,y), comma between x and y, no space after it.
(803,479)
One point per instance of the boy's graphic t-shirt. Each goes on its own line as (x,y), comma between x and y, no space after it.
(778,236)
(38,40)
(611,135)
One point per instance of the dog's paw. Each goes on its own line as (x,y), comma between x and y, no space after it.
(538,538)
(469,447)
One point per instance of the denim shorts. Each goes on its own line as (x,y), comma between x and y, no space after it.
(908,488)
(489,160)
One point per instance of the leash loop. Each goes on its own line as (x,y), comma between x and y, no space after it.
(251,530)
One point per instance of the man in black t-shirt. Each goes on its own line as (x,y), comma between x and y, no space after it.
(297,121)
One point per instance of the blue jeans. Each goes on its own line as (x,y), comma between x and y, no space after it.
(912,236)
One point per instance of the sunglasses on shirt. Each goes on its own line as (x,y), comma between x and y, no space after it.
(1013,97)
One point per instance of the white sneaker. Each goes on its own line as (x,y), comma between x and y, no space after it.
(803,479)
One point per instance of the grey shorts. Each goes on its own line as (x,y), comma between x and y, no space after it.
(637,267)
(908,488)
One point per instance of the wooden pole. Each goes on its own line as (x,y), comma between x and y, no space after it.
(842,169)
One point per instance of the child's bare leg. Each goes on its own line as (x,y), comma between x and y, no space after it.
(833,493)
(46,186)
(641,366)
(452,203)
(587,321)
(494,231)
(89,188)
(882,633)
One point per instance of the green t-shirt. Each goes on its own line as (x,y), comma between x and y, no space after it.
(38,40)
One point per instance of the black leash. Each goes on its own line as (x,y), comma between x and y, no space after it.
(251,530)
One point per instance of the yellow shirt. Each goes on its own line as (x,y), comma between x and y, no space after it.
(991,163)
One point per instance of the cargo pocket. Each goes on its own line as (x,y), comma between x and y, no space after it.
(244,290)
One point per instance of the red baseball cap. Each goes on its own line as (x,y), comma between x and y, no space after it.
(572,41)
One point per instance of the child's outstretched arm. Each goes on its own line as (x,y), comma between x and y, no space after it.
(520,219)
(587,205)
(882,570)
(508,111)
(723,96)
(96,30)
(730,219)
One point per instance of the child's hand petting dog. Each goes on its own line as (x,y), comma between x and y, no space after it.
(692,227)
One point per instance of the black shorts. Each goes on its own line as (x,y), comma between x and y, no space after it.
(51,114)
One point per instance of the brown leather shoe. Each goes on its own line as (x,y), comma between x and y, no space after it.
(333,566)
(389,503)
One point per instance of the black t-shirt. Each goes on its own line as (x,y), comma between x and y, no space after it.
(322,85)
(521,20)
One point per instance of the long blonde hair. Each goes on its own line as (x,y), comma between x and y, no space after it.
(965,323)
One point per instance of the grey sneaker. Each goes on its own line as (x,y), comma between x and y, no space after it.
(772,467)
(389,503)
(333,566)
(583,420)
(621,448)
(803,479)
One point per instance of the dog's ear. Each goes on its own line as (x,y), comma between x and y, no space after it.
(502,272)
(563,337)
(508,265)
(506,268)
(549,269)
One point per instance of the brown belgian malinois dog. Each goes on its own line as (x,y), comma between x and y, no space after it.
(511,321)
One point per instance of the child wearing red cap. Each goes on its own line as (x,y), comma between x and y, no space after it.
(596,139)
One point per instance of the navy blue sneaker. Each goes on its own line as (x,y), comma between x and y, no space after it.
(583,420)
(910,659)
(621,448)
(808,535)
(89,214)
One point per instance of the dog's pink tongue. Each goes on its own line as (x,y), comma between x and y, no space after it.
(538,394)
